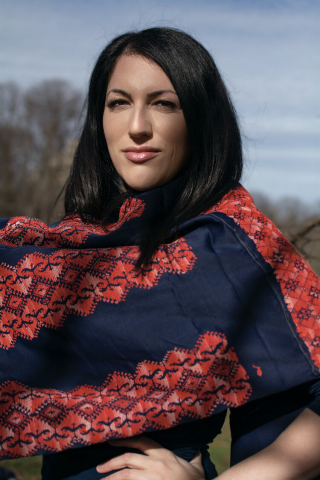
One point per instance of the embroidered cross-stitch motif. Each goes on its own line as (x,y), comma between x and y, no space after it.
(187,383)
(25,231)
(43,289)
(299,284)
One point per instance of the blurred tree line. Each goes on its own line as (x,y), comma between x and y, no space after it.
(38,131)
(298,221)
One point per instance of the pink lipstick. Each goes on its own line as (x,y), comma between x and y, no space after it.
(140,154)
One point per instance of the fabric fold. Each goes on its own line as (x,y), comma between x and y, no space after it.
(92,350)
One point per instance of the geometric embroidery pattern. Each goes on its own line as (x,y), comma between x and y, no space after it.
(299,284)
(43,289)
(187,383)
(71,231)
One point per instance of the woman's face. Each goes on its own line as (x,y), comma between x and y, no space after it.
(143,124)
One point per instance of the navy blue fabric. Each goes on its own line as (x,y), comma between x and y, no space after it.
(254,427)
(258,424)
(3,222)
(56,470)
(216,287)
(184,441)
(314,391)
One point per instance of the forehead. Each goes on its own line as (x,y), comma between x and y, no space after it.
(137,73)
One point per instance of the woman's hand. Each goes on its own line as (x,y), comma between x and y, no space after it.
(157,463)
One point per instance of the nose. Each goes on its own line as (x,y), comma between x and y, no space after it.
(140,123)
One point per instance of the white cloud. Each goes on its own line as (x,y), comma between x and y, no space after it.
(267,52)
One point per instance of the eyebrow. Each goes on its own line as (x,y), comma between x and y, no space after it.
(159,92)
(149,95)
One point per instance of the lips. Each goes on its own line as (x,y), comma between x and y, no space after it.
(140,154)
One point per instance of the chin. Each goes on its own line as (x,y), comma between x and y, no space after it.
(141,186)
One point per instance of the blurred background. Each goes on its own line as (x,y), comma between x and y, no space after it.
(267,52)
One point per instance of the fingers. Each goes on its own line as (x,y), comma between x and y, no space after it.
(146,445)
(127,475)
(127,460)
(197,461)
(157,463)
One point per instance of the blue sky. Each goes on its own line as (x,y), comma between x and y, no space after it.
(267,52)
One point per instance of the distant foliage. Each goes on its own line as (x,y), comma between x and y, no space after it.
(37,131)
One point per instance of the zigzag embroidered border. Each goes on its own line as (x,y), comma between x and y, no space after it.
(43,289)
(23,231)
(299,284)
(186,384)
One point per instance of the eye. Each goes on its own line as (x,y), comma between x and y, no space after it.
(166,104)
(117,103)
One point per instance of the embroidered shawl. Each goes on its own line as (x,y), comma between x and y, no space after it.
(90,350)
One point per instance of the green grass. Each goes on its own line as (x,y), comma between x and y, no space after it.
(29,468)
(220,448)
(25,468)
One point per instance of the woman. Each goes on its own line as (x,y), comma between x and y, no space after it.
(154,306)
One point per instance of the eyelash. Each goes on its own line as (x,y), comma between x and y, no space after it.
(166,103)
(118,103)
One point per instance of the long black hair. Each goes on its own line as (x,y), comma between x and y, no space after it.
(94,189)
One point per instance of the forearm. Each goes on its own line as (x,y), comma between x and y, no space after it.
(295,455)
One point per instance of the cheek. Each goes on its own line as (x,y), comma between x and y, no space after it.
(111,130)
(176,134)
(180,140)
(105,127)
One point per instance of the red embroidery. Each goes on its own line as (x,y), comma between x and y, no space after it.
(22,231)
(299,284)
(259,371)
(187,383)
(43,289)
